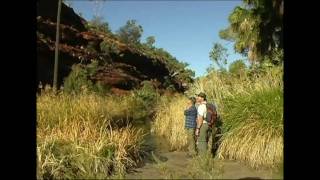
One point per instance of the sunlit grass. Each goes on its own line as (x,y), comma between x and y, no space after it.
(85,136)
(169,121)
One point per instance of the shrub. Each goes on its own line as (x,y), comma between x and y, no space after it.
(109,47)
(144,100)
(79,79)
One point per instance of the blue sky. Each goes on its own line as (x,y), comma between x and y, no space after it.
(186,29)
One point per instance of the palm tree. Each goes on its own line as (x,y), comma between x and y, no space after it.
(256,28)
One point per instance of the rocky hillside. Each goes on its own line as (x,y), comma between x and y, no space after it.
(124,68)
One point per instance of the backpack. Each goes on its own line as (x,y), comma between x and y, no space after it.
(212,114)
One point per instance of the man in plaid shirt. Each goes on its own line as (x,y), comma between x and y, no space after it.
(190,125)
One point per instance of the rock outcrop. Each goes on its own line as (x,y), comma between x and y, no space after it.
(123,71)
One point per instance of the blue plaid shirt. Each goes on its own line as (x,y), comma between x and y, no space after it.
(191,117)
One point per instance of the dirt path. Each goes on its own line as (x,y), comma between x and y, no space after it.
(163,164)
(175,165)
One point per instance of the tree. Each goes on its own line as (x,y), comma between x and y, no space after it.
(237,67)
(218,55)
(150,41)
(131,32)
(99,25)
(256,28)
(210,69)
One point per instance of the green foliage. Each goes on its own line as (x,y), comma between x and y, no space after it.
(150,41)
(168,83)
(263,106)
(147,94)
(177,69)
(79,79)
(227,34)
(144,100)
(237,67)
(91,47)
(92,68)
(109,47)
(256,28)
(97,24)
(131,32)
(101,89)
(257,70)
(210,68)
(275,57)
(218,54)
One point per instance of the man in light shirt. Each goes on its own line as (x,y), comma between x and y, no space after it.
(202,124)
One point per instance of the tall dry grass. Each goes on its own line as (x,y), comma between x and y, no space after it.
(169,121)
(254,144)
(251,109)
(219,86)
(85,136)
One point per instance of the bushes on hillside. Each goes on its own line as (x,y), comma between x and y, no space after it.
(79,79)
(144,100)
